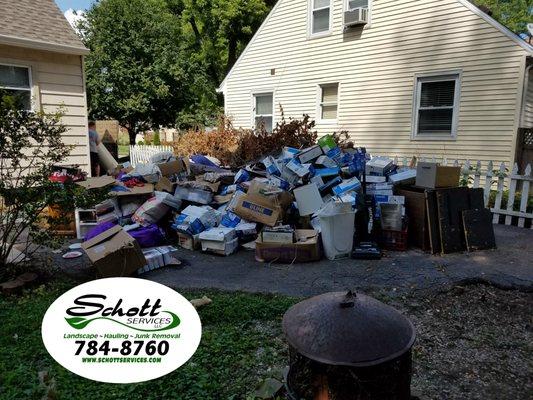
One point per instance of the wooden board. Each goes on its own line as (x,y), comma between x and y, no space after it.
(451,202)
(415,209)
(475,197)
(433,221)
(478,229)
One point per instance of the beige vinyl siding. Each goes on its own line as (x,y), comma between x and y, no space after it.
(527,116)
(376,68)
(58,84)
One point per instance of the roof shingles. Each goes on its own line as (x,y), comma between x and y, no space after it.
(37,20)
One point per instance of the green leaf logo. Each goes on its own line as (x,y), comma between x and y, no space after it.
(78,322)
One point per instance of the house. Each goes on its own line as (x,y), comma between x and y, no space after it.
(412,77)
(41,59)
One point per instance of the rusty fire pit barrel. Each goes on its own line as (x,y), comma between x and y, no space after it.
(347,346)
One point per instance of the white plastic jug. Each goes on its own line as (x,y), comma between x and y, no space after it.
(337,224)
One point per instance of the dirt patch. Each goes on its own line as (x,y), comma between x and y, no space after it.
(473,342)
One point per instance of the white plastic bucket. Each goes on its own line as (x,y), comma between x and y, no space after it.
(337,224)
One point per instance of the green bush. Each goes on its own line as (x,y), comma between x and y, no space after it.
(505,200)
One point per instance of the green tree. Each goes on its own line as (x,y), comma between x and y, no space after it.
(515,14)
(139,70)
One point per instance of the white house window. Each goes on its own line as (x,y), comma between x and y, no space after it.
(353,4)
(320,16)
(329,101)
(16,82)
(264,111)
(437,106)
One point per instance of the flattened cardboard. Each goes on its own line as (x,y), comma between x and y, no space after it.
(147,189)
(305,249)
(114,253)
(97,182)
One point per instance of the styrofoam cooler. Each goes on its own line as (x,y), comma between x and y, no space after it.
(337,225)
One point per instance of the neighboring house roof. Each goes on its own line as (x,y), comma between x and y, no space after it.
(467,3)
(38,24)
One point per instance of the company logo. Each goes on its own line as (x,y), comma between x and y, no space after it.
(121,330)
(145,318)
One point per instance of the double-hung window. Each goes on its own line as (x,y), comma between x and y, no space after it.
(264,111)
(437,106)
(16,82)
(329,102)
(320,16)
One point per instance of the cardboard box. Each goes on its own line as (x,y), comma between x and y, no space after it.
(188,241)
(305,249)
(327,143)
(172,167)
(347,186)
(263,203)
(215,238)
(229,248)
(219,240)
(406,177)
(325,162)
(277,235)
(193,195)
(376,179)
(432,175)
(379,166)
(309,154)
(308,199)
(114,253)
(258,208)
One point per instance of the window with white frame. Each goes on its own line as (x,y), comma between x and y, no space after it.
(16,81)
(329,101)
(437,106)
(320,16)
(264,111)
(353,4)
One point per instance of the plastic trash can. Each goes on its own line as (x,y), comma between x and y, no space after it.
(337,225)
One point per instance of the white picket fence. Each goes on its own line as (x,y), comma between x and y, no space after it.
(492,177)
(140,154)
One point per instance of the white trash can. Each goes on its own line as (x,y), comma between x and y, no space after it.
(337,225)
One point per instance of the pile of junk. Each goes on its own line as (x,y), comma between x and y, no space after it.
(293,207)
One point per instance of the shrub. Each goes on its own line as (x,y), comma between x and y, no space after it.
(157,140)
(236,147)
(30,146)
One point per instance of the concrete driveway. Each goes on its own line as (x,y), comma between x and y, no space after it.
(508,266)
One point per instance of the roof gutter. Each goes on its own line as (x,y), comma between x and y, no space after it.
(42,45)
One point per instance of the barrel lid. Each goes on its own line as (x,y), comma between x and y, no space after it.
(347,329)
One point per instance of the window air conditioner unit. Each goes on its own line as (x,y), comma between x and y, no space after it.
(357,16)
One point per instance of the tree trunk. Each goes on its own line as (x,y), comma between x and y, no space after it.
(132,133)
(232,53)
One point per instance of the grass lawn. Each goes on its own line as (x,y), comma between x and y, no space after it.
(473,342)
(123,150)
(241,343)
